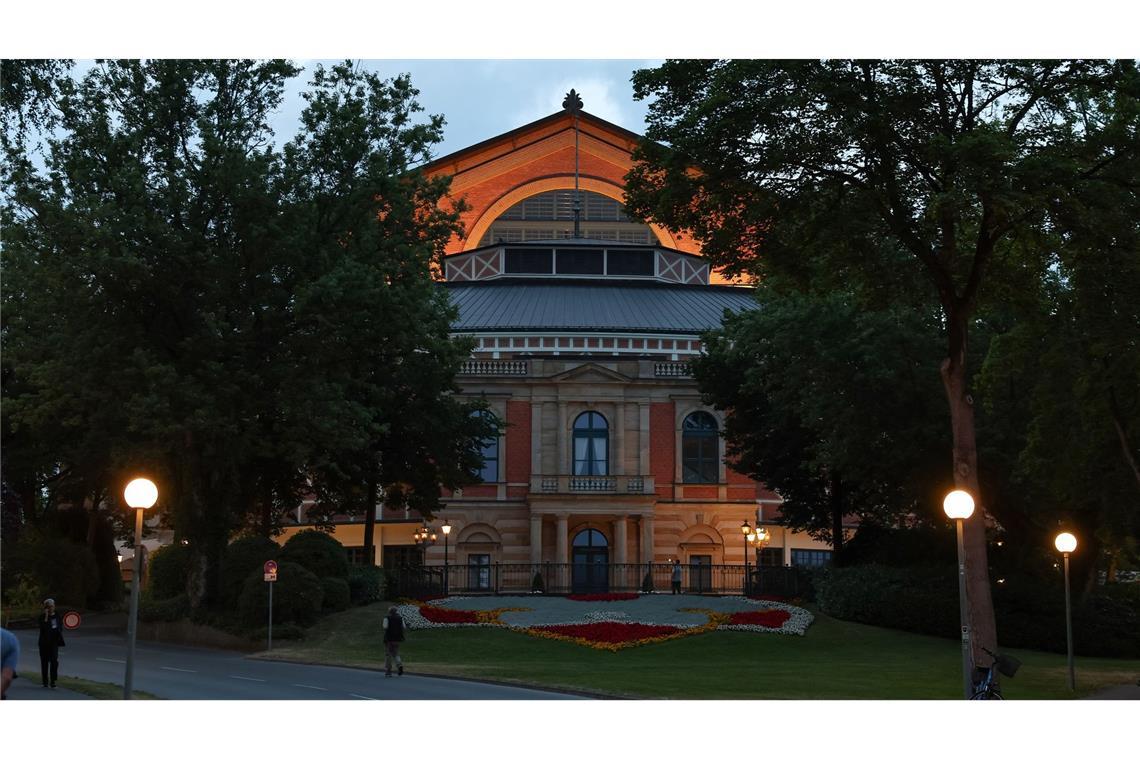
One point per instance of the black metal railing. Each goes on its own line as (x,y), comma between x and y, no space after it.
(584,578)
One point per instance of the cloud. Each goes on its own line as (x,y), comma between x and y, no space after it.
(600,97)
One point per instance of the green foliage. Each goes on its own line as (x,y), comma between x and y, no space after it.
(243,556)
(297,595)
(168,571)
(23,594)
(283,632)
(58,567)
(366,584)
(167,610)
(537,584)
(337,595)
(1030,611)
(318,552)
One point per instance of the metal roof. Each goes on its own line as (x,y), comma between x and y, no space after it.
(599,305)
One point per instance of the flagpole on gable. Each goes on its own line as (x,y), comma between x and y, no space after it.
(573,104)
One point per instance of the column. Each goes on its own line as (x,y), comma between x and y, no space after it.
(647,554)
(535,539)
(621,540)
(563,461)
(643,439)
(535,438)
(619,436)
(562,546)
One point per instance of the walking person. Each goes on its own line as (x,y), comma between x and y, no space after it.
(675,576)
(50,640)
(393,636)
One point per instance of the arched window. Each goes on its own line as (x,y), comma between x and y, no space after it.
(590,539)
(489,472)
(700,449)
(591,444)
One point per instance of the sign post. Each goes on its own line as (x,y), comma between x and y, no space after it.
(270,578)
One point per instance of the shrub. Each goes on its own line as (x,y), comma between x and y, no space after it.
(318,552)
(297,596)
(59,568)
(366,584)
(168,568)
(647,583)
(290,631)
(336,595)
(537,585)
(163,610)
(242,557)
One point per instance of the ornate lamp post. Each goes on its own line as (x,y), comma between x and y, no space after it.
(958,506)
(140,494)
(746,530)
(1066,543)
(446,528)
(759,538)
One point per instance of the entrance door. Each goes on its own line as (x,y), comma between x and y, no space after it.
(700,573)
(590,568)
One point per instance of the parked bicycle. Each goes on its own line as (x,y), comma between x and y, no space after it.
(987,688)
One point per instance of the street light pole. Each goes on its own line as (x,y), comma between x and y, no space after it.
(746,529)
(446,575)
(958,506)
(140,494)
(1066,543)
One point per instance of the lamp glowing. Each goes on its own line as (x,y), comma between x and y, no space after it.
(958,505)
(746,528)
(446,528)
(140,493)
(1066,543)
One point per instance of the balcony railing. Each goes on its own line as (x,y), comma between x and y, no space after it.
(572,578)
(493,367)
(672,369)
(591,484)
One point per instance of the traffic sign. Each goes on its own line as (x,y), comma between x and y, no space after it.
(270,571)
(271,577)
(71,620)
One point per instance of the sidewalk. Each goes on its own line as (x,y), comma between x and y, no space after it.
(25,689)
(1131,691)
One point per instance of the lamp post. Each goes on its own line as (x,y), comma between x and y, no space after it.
(746,530)
(140,494)
(1066,543)
(446,528)
(759,538)
(423,537)
(958,506)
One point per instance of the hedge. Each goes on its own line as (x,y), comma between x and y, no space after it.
(336,595)
(163,610)
(167,570)
(57,567)
(242,557)
(365,584)
(1030,612)
(318,552)
(297,596)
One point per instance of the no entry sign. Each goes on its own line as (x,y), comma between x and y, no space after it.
(71,620)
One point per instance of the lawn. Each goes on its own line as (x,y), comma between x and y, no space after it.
(835,660)
(95,689)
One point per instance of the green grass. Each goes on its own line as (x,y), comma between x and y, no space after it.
(95,689)
(835,660)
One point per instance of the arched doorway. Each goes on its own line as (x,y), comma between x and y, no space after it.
(590,557)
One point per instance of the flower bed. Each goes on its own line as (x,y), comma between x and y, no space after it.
(603,597)
(444,615)
(765,618)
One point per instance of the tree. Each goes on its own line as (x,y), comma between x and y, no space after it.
(955,162)
(831,405)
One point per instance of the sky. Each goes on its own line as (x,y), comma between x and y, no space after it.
(483,98)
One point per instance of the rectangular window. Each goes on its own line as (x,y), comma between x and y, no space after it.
(523,261)
(810,557)
(771,557)
(581,261)
(479,572)
(632,263)
(356,555)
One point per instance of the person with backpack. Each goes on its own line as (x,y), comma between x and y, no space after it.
(393,635)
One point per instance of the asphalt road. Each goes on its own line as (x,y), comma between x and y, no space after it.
(178,672)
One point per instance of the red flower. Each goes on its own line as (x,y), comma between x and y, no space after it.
(610,633)
(766,618)
(602,597)
(445,615)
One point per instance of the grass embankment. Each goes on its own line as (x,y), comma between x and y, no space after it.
(835,660)
(95,689)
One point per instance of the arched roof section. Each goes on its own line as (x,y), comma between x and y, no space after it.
(545,184)
(478,533)
(701,534)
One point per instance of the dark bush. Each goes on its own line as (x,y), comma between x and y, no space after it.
(297,595)
(536,583)
(243,556)
(336,594)
(899,547)
(366,584)
(167,610)
(318,552)
(1030,612)
(59,568)
(168,568)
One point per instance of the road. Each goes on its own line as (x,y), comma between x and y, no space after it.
(178,672)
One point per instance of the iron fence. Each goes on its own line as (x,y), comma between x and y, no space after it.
(585,578)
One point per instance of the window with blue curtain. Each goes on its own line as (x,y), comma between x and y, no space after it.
(489,472)
(700,449)
(591,444)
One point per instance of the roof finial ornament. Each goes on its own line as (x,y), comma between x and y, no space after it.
(572,102)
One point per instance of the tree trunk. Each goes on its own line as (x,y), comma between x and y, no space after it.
(370,522)
(836,499)
(980,608)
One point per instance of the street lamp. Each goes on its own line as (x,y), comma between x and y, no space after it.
(958,506)
(141,494)
(1066,543)
(746,530)
(446,528)
(758,538)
